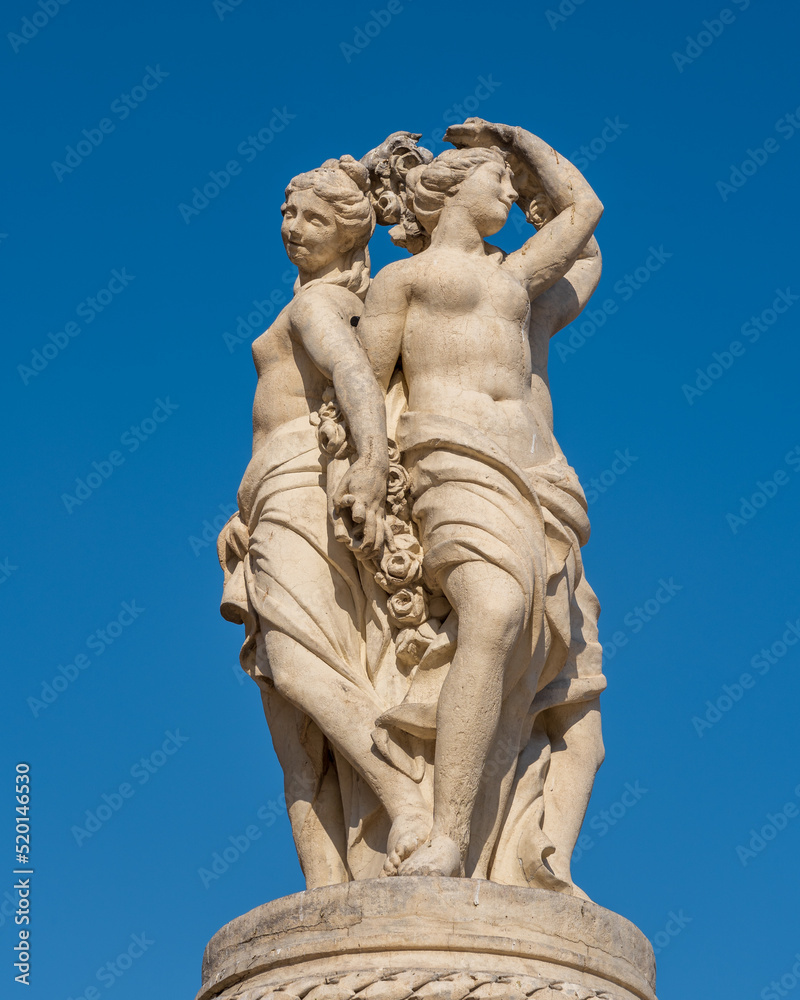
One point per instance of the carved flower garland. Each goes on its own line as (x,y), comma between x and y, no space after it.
(399,569)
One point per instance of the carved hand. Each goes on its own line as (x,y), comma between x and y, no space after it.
(478,132)
(362,492)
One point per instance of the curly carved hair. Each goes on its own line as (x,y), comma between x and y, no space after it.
(344,184)
(431,184)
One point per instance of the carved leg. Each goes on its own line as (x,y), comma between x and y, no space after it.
(311,789)
(577,753)
(491,615)
(346,714)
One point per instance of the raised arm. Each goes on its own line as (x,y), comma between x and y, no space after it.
(562,303)
(542,176)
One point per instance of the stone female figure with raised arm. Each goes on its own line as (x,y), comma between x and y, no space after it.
(501,516)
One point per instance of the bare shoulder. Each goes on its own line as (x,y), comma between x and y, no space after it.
(326,302)
(395,276)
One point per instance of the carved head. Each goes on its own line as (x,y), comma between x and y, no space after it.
(327,214)
(477,180)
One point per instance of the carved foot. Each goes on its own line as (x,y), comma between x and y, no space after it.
(439,856)
(408,832)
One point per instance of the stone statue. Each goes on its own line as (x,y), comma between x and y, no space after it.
(406,554)
(406,561)
(316,632)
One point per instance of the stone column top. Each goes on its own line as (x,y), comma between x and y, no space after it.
(444,925)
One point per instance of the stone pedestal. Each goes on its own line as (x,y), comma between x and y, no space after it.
(431,938)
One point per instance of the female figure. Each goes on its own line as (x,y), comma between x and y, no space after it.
(500,514)
(317,647)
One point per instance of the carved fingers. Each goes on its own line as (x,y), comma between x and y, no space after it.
(478,132)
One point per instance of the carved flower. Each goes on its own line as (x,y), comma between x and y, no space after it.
(410,645)
(402,567)
(397,525)
(407,608)
(331,426)
(332,438)
(397,491)
(397,482)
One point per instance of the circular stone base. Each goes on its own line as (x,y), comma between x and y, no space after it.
(428,938)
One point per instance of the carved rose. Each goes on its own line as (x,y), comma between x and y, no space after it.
(411,644)
(397,482)
(398,526)
(397,491)
(407,608)
(403,567)
(331,427)
(332,439)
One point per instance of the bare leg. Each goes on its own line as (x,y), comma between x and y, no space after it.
(312,799)
(346,714)
(577,753)
(491,614)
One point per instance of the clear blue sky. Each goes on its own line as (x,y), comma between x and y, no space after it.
(109,592)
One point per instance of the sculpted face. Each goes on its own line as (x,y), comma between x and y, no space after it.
(310,232)
(487,194)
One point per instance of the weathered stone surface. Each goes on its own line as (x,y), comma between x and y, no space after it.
(406,561)
(392,939)
(406,554)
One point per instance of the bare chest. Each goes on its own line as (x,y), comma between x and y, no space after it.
(455,284)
